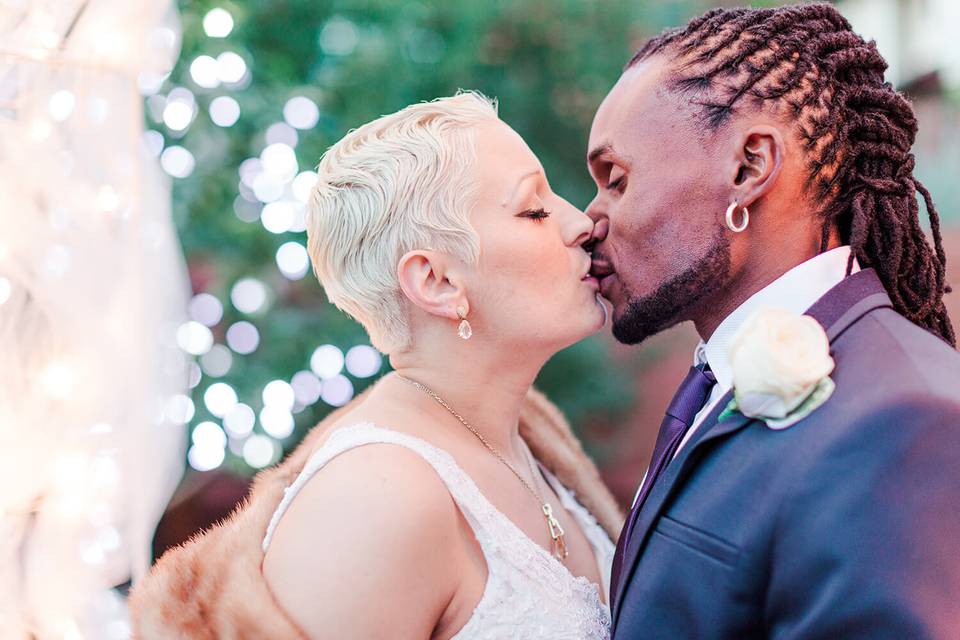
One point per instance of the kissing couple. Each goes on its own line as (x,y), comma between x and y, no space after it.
(754,176)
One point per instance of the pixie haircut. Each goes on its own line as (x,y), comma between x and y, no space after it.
(402,182)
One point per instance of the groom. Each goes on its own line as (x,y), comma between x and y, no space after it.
(756,159)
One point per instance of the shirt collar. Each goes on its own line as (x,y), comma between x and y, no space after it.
(795,291)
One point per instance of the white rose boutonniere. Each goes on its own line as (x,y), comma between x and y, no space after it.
(781,368)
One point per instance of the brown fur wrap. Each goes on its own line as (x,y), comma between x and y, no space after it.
(212,586)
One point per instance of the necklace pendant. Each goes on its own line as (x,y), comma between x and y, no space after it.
(558,544)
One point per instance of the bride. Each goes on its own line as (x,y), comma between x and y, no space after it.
(441,503)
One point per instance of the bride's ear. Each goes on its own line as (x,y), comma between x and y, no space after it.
(431,281)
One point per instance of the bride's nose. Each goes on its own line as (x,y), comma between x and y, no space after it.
(579,227)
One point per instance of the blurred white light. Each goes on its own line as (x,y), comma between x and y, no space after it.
(292,260)
(303,184)
(177,115)
(249,170)
(205,458)
(276,421)
(150,82)
(5,290)
(280,160)
(277,217)
(57,379)
(363,361)
(40,129)
(337,391)
(220,398)
(258,451)
(179,409)
(224,111)
(268,187)
(153,141)
(282,133)
(301,112)
(239,421)
(327,361)
(208,434)
(218,23)
(306,387)
(299,217)
(194,338)
(61,105)
(243,337)
(177,161)
(206,309)
(248,295)
(204,71)
(246,210)
(217,361)
(230,67)
(279,394)
(338,37)
(194,375)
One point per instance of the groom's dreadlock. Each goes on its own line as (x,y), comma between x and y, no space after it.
(856,128)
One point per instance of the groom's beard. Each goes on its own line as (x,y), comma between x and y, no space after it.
(667,305)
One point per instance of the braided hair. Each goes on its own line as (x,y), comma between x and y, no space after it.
(806,63)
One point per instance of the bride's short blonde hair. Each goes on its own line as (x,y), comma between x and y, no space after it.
(404,181)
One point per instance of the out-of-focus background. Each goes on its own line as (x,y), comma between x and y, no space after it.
(237,123)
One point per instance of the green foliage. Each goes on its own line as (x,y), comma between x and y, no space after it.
(548,62)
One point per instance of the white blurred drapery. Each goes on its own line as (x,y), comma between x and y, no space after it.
(92,288)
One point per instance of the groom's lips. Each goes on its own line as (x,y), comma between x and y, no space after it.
(603,271)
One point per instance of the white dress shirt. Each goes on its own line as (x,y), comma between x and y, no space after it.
(795,291)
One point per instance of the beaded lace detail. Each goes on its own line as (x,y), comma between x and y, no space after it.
(529,594)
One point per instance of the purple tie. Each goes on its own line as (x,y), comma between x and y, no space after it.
(688,400)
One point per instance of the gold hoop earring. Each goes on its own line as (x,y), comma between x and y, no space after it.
(464,330)
(743,223)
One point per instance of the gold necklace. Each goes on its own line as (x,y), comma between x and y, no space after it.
(558,543)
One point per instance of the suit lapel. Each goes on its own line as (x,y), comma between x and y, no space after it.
(841,307)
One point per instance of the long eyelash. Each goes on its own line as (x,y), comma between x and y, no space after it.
(536,214)
(616,184)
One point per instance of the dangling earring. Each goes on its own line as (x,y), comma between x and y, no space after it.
(464,330)
(743,223)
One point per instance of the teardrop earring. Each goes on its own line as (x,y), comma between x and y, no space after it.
(464,330)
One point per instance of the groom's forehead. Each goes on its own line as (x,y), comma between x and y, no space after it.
(639,93)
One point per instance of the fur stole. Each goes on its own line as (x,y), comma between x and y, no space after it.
(212,587)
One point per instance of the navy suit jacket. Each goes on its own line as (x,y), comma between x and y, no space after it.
(844,525)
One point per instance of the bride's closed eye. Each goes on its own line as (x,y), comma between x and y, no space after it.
(535,214)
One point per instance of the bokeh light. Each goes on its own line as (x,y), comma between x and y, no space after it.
(204,72)
(206,309)
(243,337)
(306,387)
(327,361)
(248,295)
(218,23)
(239,421)
(216,362)
(279,394)
(194,338)
(276,421)
(259,451)
(301,112)
(177,161)
(363,361)
(292,260)
(337,391)
(231,68)
(224,111)
(220,398)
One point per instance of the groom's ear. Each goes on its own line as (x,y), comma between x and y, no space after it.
(759,155)
(432,282)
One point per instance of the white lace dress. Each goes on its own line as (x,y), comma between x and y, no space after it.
(529,594)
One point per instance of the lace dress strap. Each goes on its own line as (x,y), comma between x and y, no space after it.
(465,493)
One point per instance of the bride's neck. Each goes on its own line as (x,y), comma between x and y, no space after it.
(487,392)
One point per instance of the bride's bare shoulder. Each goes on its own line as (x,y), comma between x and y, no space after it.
(375,524)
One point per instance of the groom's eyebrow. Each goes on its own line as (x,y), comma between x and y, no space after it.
(597,152)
